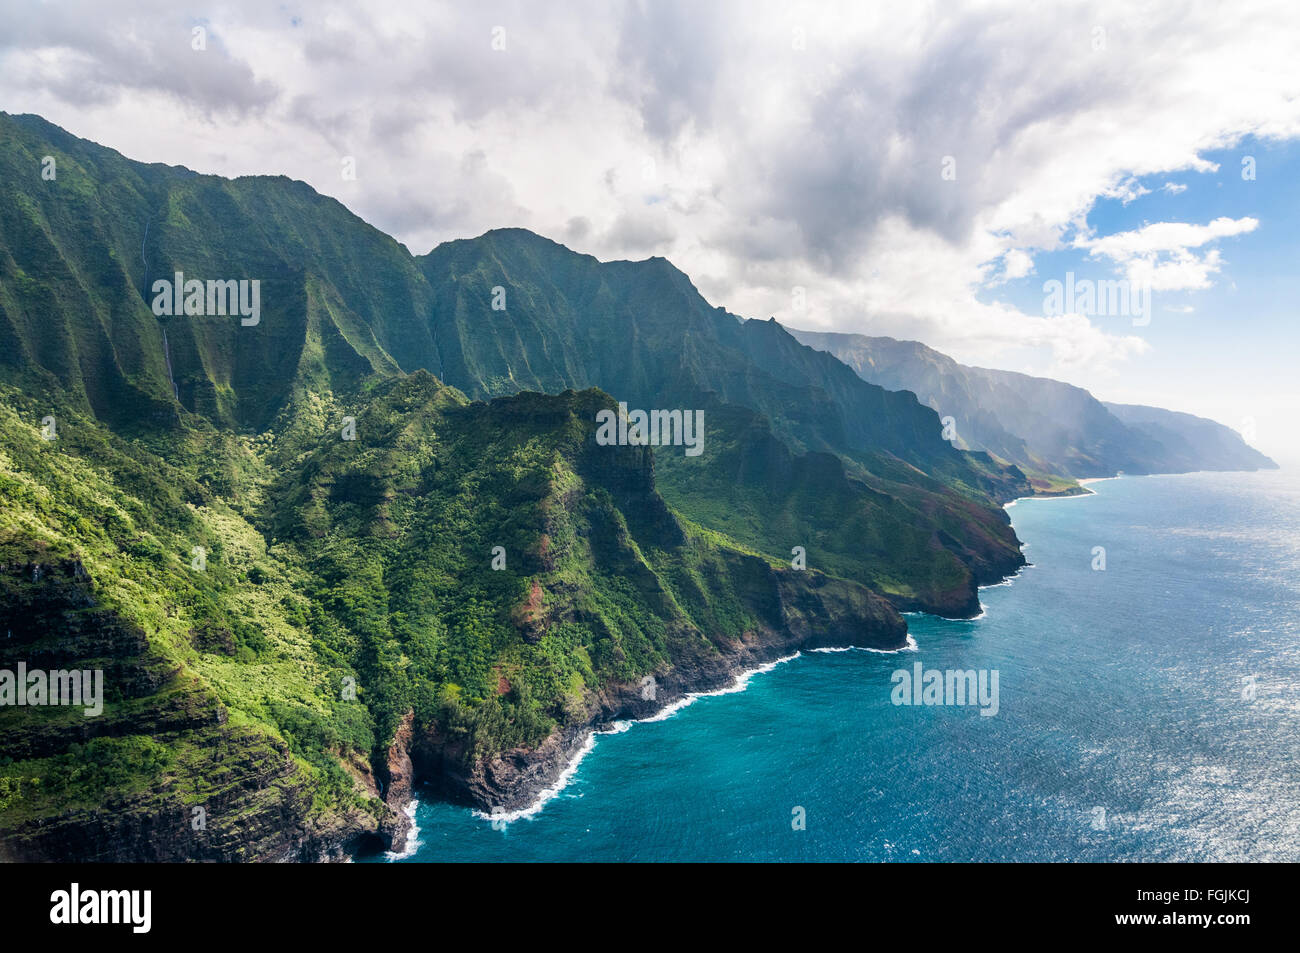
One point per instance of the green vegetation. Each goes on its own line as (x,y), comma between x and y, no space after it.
(367,560)
(111,529)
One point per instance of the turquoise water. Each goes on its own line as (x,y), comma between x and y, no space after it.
(1119,689)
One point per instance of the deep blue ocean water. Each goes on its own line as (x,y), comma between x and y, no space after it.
(1120,690)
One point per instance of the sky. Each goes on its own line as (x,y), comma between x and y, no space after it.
(923,171)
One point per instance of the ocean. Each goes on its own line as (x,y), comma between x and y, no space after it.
(1147,710)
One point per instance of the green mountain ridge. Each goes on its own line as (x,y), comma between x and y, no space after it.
(1191,442)
(1042,425)
(346,301)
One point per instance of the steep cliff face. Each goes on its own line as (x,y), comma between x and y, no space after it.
(920,551)
(1041,424)
(1190,442)
(641,331)
(794,611)
(215,732)
(79,257)
(341,303)
(162,774)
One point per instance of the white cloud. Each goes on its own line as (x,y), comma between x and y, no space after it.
(1127,191)
(1016,263)
(1160,256)
(1166,236)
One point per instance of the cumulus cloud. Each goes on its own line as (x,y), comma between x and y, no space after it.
(1160,255)
(72,54)
(1166,236)
(1016,263)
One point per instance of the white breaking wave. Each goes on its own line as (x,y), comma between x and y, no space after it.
(911,646)
(739,684)
(506,817)
(1006,582)
(413,842)
(1048,499)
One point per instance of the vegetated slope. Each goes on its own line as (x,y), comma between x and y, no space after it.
(641,331)
(772,407)
(341,301)
(348,598)
(79,255)
(597,582)
(220,736)
(923,549)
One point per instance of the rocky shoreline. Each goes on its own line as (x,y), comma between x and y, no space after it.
(514,780)
(807,611)
(271,819)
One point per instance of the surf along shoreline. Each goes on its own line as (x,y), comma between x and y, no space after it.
(517,785)
(520,783)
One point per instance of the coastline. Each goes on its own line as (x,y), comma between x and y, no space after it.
(1048,497)
(740,682)
(617,780)
(619,726)
(551,767)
